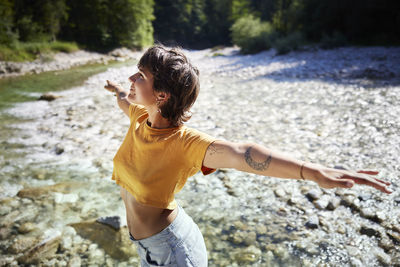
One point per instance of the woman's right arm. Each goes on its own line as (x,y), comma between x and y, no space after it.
(122,95)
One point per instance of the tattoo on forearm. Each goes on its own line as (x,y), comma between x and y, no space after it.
(259,166)
(214,150)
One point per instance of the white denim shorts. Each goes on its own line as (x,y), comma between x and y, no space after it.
(179,244)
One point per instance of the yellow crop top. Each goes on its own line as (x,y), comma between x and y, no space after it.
(154,164)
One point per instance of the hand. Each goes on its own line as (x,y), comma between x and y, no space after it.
(112,87)
(330,178)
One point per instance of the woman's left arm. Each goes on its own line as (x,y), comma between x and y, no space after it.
(253,158)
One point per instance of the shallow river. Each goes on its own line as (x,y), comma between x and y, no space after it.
(339,108)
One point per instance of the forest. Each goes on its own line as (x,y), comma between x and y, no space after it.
(253,25)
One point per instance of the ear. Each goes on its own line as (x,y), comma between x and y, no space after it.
(163,96)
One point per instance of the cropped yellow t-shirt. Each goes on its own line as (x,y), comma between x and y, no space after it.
(154,164)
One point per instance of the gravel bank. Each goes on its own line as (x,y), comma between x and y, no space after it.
(62,61)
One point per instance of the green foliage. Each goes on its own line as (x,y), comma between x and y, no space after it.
(292,41)
(39,20)
(130,23)
(28,51)
(7,36)
(181,21)
(66,47)
(252,35)
(240,8)
(105,24)
(252,24)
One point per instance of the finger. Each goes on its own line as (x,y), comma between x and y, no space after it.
(382,181)
(374,173)
(376,183)
(369,172)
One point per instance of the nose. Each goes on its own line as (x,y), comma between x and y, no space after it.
(133,78)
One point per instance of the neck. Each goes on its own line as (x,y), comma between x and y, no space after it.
(156,120)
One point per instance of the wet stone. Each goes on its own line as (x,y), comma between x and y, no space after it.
(385,243)
(261,229)
(44,247)
(334,202)
(48,97)
(322,203)
(26,227)
(395,236)
(21,243)
(369,231)
(314,194)
(279,192)
(5,232)
(295,201)
(59,149)
(113,221)
(248,255)
(115,243)
(312,222)
(381,256)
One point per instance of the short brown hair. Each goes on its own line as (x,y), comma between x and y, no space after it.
(174,74)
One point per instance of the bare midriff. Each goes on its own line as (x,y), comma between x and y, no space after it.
(145,221)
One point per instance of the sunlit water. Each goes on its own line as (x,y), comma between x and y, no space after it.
(315,106)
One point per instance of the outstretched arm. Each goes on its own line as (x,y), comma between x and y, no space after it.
(253,158)
(122,100)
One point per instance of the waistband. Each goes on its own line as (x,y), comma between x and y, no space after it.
(168,234)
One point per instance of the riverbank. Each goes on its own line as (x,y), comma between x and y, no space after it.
(63,61)
(319,106)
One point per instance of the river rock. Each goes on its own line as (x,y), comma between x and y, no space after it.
(248,255)
(7,260)
(322,203)
(279,192)
(385,243)
(369,231)
(27,227)
(296,201)
(115,243)
(5,232)
(60,198)
(21,243)
(113,221)
(372,215)
(351,201)
(38,192)
(312,222)
(334,202)
(314,194)
(59,149)
(261,229)
(381,256)
(395,236)
(44,247)
(75,261)
(17,216)
(48,97)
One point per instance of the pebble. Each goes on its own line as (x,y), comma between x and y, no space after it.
(314,194)
(381,256)
(75,261)
(334,202)
(322,202)
(248,255)
(312,222)
(27,227)
(369,231)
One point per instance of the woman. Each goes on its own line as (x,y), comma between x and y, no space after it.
(159,153)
